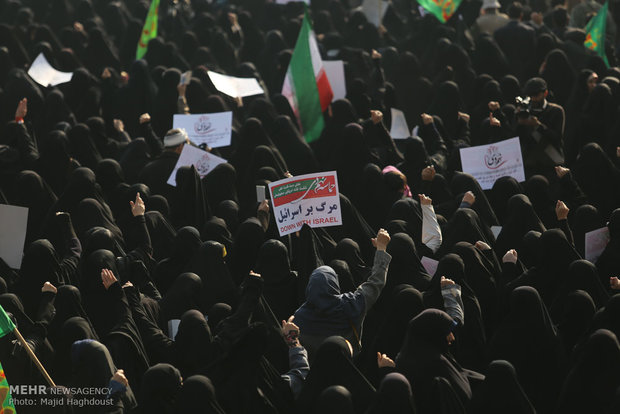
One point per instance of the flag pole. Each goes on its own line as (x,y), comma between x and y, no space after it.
(34,358)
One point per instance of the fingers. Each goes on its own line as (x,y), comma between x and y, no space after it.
(290,319)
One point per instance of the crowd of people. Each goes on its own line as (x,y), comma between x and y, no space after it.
(340,319)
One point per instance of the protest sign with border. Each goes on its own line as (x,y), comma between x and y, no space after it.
(311,199)
(487,163)
(214,129)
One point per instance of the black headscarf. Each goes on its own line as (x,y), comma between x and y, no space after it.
(424,356)
(520,218)
(34,193)
(184,294)
(556,254)
(584,219)
(528,340)
(501,392)
(189,207)
(598,178)
(193,343)
(461,183)
(160,387)
(197,396)
(93,367)
(465,226)
(470,344)
(332,365)
(280,288)
(221,184)
(248,240)
(575,319)
(594,379)
(503,189)
(184,246)
(405,266)
(217,285)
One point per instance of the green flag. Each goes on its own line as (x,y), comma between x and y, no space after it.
(6,401)
(6,324)
(441,9)
(149,31)
(595,33)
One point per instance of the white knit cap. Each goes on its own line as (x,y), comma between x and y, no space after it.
(175,137)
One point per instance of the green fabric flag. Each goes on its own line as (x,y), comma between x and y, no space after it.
(6,324)
(595,33)
(441,9)
(306,85)
(6,400)
(149,31)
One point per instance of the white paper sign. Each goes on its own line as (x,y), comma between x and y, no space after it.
(334,69)
(496,230)
(399,128)
(487,163)
(214,130)
(13,225)
(45,75)
(173,327)
(306,199)
(204,162)
(596,241)
(235,87)
(429,264)
(375,10)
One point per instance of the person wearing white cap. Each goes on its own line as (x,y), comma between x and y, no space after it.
(156,173)
(490,18)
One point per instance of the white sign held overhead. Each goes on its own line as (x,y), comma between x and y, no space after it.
(214,130)
(375,10)
(14,223)
(45,75)
(487,163)
(399,128)
(596,241)
(334,69)
(235,87)
(204,162)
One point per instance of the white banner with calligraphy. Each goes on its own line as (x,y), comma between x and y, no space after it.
(215,130)
(487,163)
(306,199)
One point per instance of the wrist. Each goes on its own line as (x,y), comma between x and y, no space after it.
(19,119)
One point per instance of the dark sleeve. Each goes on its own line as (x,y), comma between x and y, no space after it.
(565,227)
(252,289)
(26,146)
(140,238)
(157,344)
(119,308)
(46,311)
(570,192)
(553,130)
(382,136)
(155,144)
(72,250)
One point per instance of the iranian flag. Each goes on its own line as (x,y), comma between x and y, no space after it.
(306,85)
